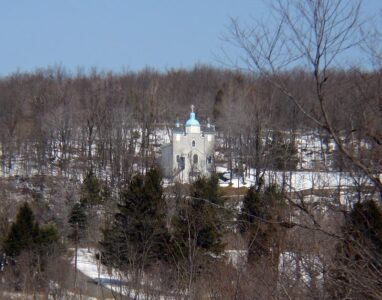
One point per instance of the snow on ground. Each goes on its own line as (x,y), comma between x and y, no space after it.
(108,277)
(292,266)
(310,147)
(236,257)
(294,180)
(92,268)
(24,296)
(221,169)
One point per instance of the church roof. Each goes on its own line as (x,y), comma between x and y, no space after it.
(192,120)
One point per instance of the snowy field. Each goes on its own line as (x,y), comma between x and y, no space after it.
(295,180)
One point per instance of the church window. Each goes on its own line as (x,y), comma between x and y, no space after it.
(177,158)
(195,159)
(209,159)
(193,143)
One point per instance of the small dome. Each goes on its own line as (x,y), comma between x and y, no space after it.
(192,121)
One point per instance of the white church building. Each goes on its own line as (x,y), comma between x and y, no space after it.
(191,151)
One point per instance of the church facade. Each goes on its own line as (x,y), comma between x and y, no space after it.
(191,151)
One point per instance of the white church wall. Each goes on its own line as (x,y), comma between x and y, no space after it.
(193,129)
(190,145)
(191,151)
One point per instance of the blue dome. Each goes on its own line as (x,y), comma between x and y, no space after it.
(192,121)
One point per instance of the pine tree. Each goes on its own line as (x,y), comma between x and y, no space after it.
(46,241)
(365,224)
(91,193)
(358,262)
(77,221)
(197,229)
(138,234)
(260,219)
(39,242)
(252,205)
(23,232)
(202,217)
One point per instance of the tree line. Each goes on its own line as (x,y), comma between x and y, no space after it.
(53,121)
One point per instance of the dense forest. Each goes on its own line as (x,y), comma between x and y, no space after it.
(55,122)
(292,211)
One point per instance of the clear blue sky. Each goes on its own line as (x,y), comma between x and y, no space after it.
(117,35)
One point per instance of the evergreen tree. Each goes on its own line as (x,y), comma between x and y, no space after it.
(261,218)
(77,221)
(197,229)
(359,255)
(23,232)
(46,241)
(26,234)
(252,206)
(365,224)
(91,193)
(201,219)
(138,234)
(39,243)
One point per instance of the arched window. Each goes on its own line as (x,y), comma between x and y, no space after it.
(209,159)
(195,159)
(193,143)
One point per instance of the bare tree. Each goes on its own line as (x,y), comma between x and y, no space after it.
(313,35)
